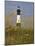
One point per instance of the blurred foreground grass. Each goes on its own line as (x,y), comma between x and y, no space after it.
(18,36)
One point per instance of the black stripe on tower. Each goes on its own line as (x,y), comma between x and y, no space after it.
(18,11)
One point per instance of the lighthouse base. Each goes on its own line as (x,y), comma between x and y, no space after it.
(18,24)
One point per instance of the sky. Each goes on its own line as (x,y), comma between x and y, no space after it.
(25,7)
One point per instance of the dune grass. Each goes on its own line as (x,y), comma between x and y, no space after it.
(18,36)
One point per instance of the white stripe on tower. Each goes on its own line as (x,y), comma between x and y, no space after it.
(18,19)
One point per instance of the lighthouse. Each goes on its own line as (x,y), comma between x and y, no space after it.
(18,21)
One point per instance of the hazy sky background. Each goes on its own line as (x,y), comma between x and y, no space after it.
(26,7)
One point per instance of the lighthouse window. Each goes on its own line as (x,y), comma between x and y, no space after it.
(18,12)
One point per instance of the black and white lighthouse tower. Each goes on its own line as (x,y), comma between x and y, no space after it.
(18,23)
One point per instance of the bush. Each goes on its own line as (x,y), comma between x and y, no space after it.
(18,36)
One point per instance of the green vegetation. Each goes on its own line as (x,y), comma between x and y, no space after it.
(18,36)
